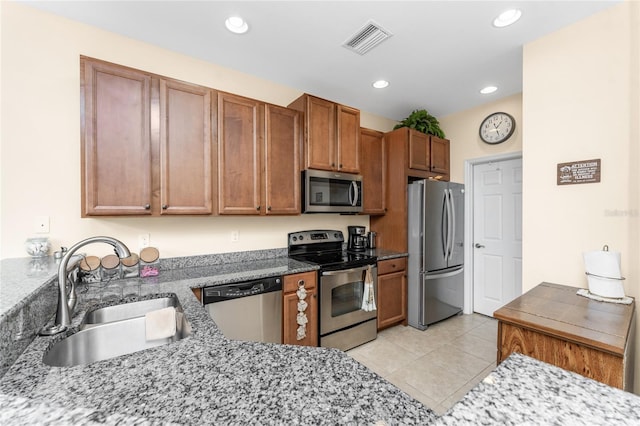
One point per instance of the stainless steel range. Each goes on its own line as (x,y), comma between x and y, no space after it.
(344,321)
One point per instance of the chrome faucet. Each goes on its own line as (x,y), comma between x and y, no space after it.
(67,303)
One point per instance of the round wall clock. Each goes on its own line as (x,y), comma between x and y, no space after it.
(497,128)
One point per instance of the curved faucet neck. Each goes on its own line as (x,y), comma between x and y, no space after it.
(66,303)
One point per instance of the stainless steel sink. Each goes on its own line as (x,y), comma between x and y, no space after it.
(121,332)
(128,310)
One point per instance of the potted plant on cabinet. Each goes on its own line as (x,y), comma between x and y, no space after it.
(422,121)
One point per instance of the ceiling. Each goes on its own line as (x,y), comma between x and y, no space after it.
(439,57)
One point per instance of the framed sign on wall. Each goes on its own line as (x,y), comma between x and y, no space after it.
(575,172)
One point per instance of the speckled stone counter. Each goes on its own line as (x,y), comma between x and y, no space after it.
(209,379)
(383,254)
(523,390)
(28,287)
(206,378)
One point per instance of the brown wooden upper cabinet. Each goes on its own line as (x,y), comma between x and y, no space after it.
(331,134)
(185,148)
(440,156)
(373,169)
(146,143)
(116,139)
(427,153)
(258,157)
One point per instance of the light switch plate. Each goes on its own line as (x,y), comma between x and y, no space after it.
(143,241)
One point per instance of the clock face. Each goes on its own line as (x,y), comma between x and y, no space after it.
(497,127)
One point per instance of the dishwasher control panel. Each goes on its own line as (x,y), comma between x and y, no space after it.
(244,289)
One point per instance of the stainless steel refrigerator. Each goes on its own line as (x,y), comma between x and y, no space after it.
(436,251)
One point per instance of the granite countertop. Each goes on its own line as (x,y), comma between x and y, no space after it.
(523,390)
(204,378)
(209,379)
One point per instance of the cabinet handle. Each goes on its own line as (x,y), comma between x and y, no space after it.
(333,164)
(269,208)
(340,166)
(147,206)
(258,208)
(164,207)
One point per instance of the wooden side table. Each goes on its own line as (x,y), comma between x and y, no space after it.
(553,324)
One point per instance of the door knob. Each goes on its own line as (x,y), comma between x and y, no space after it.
(478,245)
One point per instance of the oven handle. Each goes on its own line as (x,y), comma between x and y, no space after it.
(343,271)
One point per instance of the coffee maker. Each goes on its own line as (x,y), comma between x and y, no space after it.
(357,238)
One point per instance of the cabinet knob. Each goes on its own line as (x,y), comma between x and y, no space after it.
(164,207)
(269,208)
(258,208)
(300,282)
(340,165)
(147,206)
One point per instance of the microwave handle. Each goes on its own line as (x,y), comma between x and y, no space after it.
(353,194)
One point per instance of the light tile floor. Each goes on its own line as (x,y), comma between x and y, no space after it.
(437,366)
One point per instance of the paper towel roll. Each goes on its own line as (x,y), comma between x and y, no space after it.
(603,273)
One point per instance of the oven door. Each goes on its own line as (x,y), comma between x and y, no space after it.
(341,294)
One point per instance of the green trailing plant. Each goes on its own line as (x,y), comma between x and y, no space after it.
(423,122)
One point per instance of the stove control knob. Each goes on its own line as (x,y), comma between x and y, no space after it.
(295,238)
(301,237)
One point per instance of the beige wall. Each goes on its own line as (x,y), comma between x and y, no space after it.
(581,96)
(40,140)
(462,130)
(577,104)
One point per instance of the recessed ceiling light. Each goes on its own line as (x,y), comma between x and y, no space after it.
(380,84)
(488,89)
(236,24)
(507,18)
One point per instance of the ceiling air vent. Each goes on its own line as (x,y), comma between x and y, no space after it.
(367,38)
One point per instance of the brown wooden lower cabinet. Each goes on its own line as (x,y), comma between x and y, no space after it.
(198,293)
(392,292)
(290,309)
(555,325)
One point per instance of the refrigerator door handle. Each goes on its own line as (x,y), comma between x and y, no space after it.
(447,200)
(453,224)
(444,274)
(445,229)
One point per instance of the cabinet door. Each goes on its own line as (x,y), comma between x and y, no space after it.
(440,155)
(419,155)
(290,309)
(239,141)
(392,299)
(348,147)
(282,165)
(320,134)
(185,148)
(373,170)
(116,142)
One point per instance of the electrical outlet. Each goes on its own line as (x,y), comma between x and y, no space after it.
(235,236)
(144,240)
(42,224)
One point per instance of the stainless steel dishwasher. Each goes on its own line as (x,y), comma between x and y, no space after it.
(250,310)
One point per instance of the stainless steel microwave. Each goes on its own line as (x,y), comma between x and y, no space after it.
(330,192)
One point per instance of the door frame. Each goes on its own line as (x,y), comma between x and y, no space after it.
(468,220)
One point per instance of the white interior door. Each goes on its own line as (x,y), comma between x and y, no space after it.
(497,234)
